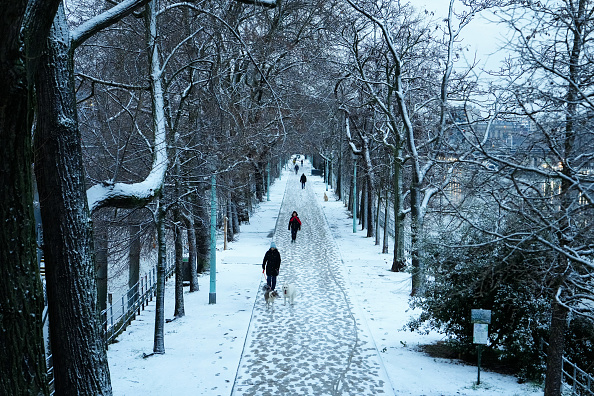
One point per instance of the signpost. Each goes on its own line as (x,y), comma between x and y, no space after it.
(480,336)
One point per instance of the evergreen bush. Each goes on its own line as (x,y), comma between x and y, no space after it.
(471,274)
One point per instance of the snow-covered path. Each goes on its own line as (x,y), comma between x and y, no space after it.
(316,346)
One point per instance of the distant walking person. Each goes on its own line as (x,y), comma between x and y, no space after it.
(294,226)
(303,180)
(296,168)
(271,264)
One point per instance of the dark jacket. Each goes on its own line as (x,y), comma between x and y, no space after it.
(294,223)
(271,262)
(303,178)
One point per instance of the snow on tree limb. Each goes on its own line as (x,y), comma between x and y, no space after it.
(134,195)
(124,195)
(263,3)
(354,148)
(103,20)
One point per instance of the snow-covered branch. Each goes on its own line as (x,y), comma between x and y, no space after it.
(263,3)
(138,194)
(114,84)
(103,20)
(354,148)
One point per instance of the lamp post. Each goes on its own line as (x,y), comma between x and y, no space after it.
(212,296)
(354,193)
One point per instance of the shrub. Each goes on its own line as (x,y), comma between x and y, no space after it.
(493,276)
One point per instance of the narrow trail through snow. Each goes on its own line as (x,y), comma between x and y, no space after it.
(316,346)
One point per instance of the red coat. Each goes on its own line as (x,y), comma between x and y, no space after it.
(294,223)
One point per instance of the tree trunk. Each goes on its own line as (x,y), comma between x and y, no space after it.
(159,338)
(249,195)
(134,263)
(101,251)
(77,341)
(179,268)
(418,273)
(369,202)
(554,375)
(202,228)
(230,227)
(386,218)
(361,203)
(235,217)
(192,262)
(399,262)
(351,199)
(259,176)
(377,216)
(22,357)
(338,189)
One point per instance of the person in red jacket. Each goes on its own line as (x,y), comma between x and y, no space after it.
(294,226)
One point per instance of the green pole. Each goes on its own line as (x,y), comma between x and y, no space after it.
(212,296)
(355,197)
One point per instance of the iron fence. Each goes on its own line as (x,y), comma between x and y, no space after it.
(116,317)
(123,310)
(575,380)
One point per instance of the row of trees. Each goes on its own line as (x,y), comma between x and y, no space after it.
(136,106)
(41,91)
(426,127)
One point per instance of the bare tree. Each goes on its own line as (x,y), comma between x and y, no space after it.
(545,178)
(80,364)
(365,152)
(408,86)
(398,111)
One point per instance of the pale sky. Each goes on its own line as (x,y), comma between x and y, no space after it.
(484,37)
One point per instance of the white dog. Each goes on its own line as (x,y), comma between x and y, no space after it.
(289,292)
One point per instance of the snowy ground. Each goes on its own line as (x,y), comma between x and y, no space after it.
(210,351)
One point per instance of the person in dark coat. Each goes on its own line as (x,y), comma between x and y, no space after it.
(296,169)
(294,226)
(271,264)
(303,180)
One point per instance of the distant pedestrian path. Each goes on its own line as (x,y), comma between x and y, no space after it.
(315,347)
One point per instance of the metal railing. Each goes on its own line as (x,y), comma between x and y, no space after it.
(117,316)
(575,380)
(115,319)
